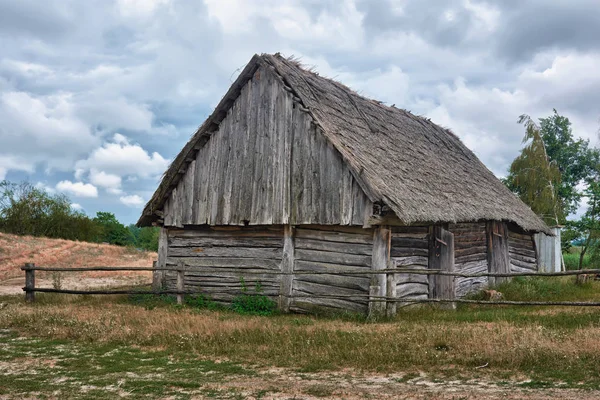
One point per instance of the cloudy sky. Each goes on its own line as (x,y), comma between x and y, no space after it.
(97,96)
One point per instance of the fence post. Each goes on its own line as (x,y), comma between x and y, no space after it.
(156,277)
(180,282)
(391,292)
(29,282)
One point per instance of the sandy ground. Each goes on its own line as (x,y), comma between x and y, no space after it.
(283,384)
(15,285)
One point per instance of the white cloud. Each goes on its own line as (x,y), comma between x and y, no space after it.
(76,206)
(121,158)
(110,182)
(78,189)
(132,200)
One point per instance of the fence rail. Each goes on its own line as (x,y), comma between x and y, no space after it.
(180,291)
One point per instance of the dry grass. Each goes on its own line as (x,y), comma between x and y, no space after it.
(18,250)
(559,346)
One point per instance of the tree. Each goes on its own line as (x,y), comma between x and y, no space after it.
(589,224)
(27,210)
(534,177)
(112,231)
(574,159)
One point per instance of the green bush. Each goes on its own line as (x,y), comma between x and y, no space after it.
(253,303)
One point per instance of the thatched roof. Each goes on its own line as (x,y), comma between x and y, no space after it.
(422,171)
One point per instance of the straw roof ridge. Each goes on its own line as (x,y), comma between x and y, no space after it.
(422,171)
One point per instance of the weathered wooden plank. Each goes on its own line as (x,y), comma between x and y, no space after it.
(226,262)
(405,252)
(337,247)
(410,261)
(325,289)
(307,304)
(304,266)
(287,266)
(330,236)
(515,267)
(410,290)
(498,257)
(523,252)
(531,260)
(346,196)
(523,264)
(228,232)
(341,281)
(221,241)
(412,278)
(381,256)
(409,242)
(467,251)
(332,257)
(234,252)
(469,258)
(355,230)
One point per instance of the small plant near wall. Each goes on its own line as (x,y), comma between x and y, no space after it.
(253,303)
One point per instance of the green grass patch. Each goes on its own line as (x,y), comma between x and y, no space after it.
(66,369)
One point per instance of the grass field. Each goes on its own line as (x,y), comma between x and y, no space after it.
(108,347)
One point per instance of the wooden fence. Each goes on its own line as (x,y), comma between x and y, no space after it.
(389,300)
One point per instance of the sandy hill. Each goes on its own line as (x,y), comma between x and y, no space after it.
(18,250)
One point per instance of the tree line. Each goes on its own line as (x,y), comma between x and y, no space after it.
(553,174)
(28,210)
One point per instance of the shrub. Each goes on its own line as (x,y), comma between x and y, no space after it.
(253,303)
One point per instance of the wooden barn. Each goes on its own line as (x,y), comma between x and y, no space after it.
(296,173)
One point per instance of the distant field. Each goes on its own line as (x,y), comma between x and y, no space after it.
(18,250)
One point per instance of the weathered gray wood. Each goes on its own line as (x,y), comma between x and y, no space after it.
(327,236)
(236,252)
(313,266)
(338,247)
(325,289)
(412,289)
(180,282)
(441,257)
(410,242)
(267,163)
(29,282)
(338,281)
(411,261)
(163,250)
(446,288)
(157,275)
(406,252)
(391,292)
(223,241)
(308,304)
(227,232)
(287,266)
(498,256)
(226,262)
(381,256)
(332,257)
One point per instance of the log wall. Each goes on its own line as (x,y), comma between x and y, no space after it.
(521,250)
(216,259)
(331,249)
(410,248)
(267,164)
(470,255)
